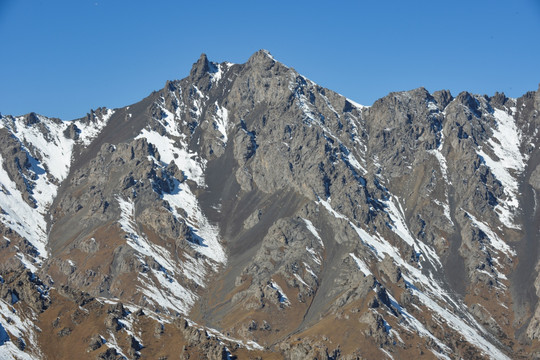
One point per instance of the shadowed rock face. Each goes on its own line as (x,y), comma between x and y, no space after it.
(286,219)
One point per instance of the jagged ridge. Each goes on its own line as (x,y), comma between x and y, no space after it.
(257,202)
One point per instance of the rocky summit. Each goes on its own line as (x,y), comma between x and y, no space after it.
(246,212)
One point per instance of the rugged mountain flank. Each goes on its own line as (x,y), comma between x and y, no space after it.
(245,211)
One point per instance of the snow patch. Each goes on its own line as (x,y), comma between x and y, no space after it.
(48,142)
(216,71)
(300,279)
(465,324)
(442,162)
(189,162)
(16,325)
(315,255)
(308,269)
(28,222)
(221,119)
(138,241)
(402,230)
(495,240)
(505,145)
(113,344)
(357,105)
(250,345)
(281,295)
(168,120)
(209,245)
(313,230)
(167,292)
(446,210)
(89,131)
(50,156)
(361,265)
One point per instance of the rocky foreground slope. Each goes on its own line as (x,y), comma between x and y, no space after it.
(248,212)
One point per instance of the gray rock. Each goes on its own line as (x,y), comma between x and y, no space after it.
(253,219)
(94,343)
(534,180)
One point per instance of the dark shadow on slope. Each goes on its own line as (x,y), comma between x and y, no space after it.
(457,278)
(333,253)
(523,278)
(223,193)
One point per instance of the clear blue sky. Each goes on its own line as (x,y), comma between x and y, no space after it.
(63,57)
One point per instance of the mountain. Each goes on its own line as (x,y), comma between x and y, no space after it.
(247,212)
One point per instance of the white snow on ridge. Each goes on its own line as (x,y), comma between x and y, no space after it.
(113,344)
(313,118)
(301,100)
(309,270)
(168,121)
(300,279)
(385,352)
(413,323)
(314,255)
(210,245)
(138,241)
(91,130)
(250,345)
(329,105)
(169,294)
(281,295)
(190,163)
(430,290)
(198,103)
(28,222)
(352,160)
(432,106)
(442,161)
(444,170)
(302,104)
(356,105)
(164,318)
(509,140)
(183,198)
(402,230)
(194,269)
(505,144)
(216,76)
(446,210)
(216,73)
(127,326)
(29,264)
(267,53)
(313,230)
(50,155)
(495,240)
(51,145)
(221,119)
(361,265)
(377,244)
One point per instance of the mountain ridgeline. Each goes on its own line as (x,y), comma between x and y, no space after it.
(247,212)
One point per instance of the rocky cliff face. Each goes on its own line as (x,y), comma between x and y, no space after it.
(247,211)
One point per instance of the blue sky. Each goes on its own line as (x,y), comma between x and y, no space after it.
(61,58)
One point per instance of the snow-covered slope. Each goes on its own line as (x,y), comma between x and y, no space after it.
(44,142)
